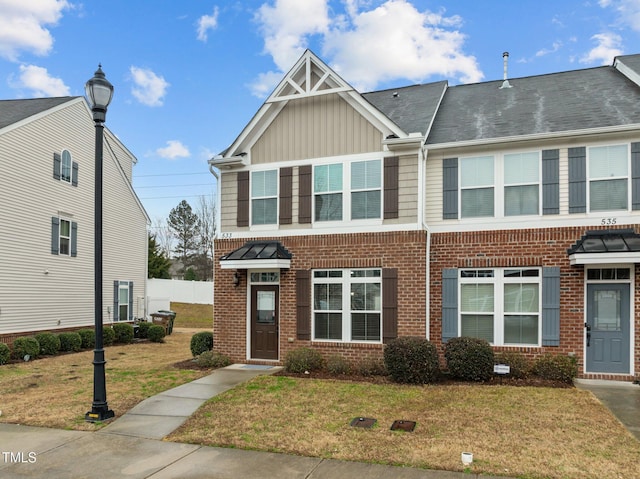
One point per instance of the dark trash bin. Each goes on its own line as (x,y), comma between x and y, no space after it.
(164,318)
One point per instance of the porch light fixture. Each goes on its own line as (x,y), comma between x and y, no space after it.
(99,93)
(236,278)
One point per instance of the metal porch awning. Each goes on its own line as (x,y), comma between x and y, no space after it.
(257,254)
(606,246)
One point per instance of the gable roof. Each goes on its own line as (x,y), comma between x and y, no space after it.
(412,108)
(13,111)
(560,102)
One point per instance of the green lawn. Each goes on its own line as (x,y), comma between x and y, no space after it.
(193,315)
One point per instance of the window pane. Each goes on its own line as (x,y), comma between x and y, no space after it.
(264,212)
(66,166)
(608,161)
(477,326)
(64,228)
(365,273)
(365,297)
(476,298)
(329,207)
(608,195)
(521,200)
(264,183)
(521,298)
(328,326)
(521,329)
(476,171)
(521,168)
(64,246)
(365,204)
(477,202)
(365,327)
(366,174)
(328,178)
(327,296)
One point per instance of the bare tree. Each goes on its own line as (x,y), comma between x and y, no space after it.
(163,235)
(206,211)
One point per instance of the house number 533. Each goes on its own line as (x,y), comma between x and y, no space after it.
(608,221)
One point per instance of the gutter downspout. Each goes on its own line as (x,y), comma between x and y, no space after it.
(216,175)
(422,163)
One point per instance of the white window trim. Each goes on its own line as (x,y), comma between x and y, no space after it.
(60,236)
(499,186)
(499,280)
(627,177)
(347,191)
(267,226)
(62,156)
(346,280)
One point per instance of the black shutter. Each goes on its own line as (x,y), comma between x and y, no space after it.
(304,195)
(449,304)
(450,188)
(130,300)
(389,304)
(243,199)
(551,306)
(74,174)
(635,176)
(74,239)
(55,235)
(57,166)
(303,304)
(286,192)
(391,168)
(550,182)
(116,301)
(578,180)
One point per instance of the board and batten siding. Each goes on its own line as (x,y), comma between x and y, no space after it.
(39,290)
(315,127)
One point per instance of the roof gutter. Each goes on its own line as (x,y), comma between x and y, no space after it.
(535,136)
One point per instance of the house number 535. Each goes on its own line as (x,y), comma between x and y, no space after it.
(608,221)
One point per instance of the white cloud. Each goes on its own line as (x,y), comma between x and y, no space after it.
(23,26)
(608,46)
(628,12)
(367,47)
(149,88)
(546,51)
(174,149)
(38,80)
(287,25)
(207,22)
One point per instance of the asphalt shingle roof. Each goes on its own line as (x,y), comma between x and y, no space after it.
(574,100)
(12,111)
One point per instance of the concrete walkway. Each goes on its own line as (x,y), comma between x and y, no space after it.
(621,398)
(130,447)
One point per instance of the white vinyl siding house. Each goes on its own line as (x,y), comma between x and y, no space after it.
(46,269)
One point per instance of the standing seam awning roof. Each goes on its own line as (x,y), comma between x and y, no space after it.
(257,254)
(606,246)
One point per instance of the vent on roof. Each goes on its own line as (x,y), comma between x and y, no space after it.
(505,60)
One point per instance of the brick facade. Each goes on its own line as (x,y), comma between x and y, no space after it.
(405,251)
(520,248)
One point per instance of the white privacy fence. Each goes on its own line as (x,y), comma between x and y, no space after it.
(160,292)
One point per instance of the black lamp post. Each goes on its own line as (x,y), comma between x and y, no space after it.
(99,92)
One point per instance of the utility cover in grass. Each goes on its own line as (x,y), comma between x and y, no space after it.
(403,425)
(364,422)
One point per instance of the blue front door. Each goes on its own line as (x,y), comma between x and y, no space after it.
(608,328)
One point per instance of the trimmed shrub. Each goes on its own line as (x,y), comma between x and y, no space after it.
(49,343)
(211,359)
(371,367)
(88,337)
(70,342)
(156,333)
(108,336)
(143,329)
(124,333)
(201,342)
(337,364)
(302,360)
(556,367)
(412,360)
(519,365)
(469,359)
(5,353)
(26,346)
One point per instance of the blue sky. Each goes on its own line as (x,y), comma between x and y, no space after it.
(189,75)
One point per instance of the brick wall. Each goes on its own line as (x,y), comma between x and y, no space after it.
(402,250)
(520,248)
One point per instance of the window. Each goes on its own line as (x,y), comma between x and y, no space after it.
(347,305)
(476,187)
(265,277)
(64,237)
(366,182)
(264,197)
(327,188)
(608,178)
(501,305)
(65,172)
(123,300)
(522,184)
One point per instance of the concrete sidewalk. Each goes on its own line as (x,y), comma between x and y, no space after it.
(130,447)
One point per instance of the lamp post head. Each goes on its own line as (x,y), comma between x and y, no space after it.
(99,92)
